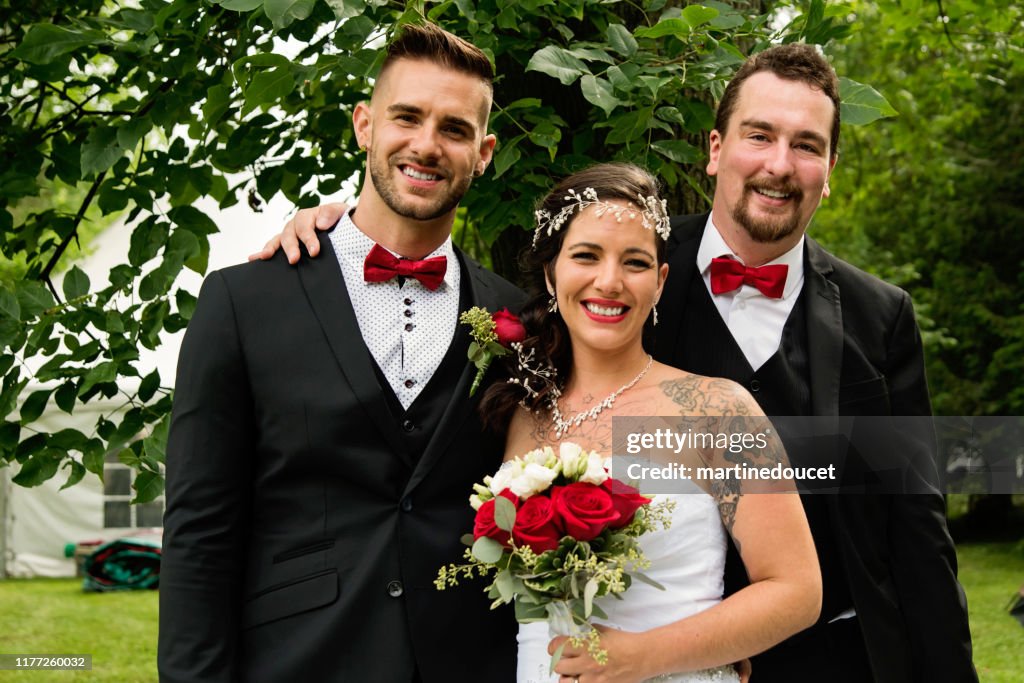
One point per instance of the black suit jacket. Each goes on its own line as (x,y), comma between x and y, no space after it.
(866,358)
(301,538)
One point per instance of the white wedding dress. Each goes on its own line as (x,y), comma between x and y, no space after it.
(687,559)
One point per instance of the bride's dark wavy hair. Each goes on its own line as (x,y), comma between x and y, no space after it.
(546,333)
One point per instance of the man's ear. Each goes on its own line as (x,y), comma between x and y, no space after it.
(714,150)
(486,154)
(362,123)
(826,191)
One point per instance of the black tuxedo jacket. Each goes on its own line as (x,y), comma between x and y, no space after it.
(865,358)
(301,538)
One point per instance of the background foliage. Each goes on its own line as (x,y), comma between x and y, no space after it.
(136,109)
(934,199)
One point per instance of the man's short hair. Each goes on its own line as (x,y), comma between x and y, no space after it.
(432,43)
(791,62)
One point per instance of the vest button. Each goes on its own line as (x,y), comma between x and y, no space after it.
(408,327)
(409,383)
(408,302)
(755,386)
(408,313)
(395,589)
(408,426)
(407,504)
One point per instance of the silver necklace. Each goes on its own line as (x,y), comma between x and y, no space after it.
(562,426)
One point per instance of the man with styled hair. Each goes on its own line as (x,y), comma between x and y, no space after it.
(320,454)
(751,298)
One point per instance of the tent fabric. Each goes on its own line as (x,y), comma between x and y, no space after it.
(123,564)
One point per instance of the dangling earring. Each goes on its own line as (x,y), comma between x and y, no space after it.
(553,301)
(654,309)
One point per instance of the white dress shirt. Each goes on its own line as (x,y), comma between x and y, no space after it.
(406,327)
(755,321)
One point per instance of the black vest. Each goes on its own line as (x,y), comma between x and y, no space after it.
(417,424)
(781,387)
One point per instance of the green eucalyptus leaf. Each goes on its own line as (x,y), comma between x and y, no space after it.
(487,550)
(504,513)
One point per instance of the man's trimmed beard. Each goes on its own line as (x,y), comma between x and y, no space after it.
(383,182)
(767,229)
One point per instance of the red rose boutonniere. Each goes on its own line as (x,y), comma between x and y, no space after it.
(493,335)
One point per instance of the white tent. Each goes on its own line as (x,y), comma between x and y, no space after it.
(36,523)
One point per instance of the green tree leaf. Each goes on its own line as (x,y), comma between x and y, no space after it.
(76,283)
(598,92)
(557,63)
(621,40)
(45,42)
(100,150)
(862,104)
(679,151)
(34,298)
(148,487)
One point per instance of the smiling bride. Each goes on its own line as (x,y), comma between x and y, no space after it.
(598,269)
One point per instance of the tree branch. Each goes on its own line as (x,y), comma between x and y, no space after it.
(45,275)
(944,18)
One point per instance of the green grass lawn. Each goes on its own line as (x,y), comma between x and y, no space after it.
(54,616)
(990,573)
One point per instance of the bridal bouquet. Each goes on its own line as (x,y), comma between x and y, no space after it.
(556,532)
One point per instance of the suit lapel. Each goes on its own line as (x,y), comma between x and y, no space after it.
(325,289)
(461,405)
(682,259)
(824,331)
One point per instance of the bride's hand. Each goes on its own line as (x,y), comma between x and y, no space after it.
(624,659)
(302,228)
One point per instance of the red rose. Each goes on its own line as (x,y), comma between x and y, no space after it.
(536,525)
(585,510)
(484,524)
(626,500)
(508,327)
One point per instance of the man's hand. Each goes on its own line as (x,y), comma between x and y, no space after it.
(302,227)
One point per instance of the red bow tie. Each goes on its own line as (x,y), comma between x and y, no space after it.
(728,274)
(381,265)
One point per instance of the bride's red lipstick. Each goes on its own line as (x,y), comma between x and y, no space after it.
(604,303)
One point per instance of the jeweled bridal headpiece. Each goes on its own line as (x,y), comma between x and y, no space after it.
(653,213)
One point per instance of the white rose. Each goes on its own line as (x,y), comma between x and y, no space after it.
(502,479)
(572,458)
(533,479)
(595,472)
(475,502)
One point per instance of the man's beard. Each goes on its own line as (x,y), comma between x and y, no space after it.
(383,182)
(767,229)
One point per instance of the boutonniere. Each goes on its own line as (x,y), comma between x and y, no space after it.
(493,334)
